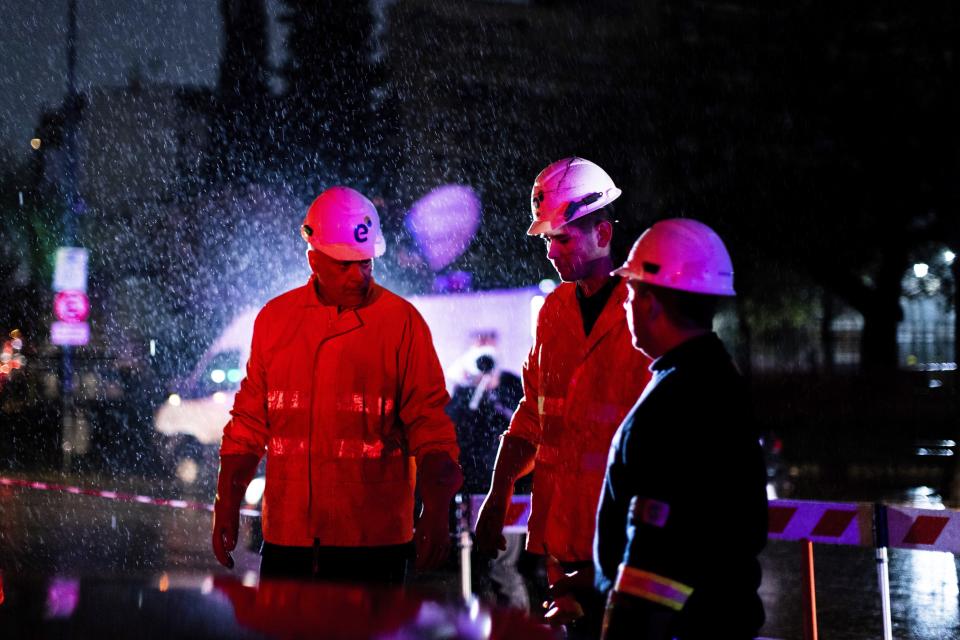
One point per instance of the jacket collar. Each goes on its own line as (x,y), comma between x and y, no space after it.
(335,324)
(611,317)
(307,295)
(570,310)
(694,350)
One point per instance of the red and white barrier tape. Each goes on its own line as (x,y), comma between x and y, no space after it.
(927,529)
(115,495)
(846,523)
(518,513)
(831,522)
(851,523)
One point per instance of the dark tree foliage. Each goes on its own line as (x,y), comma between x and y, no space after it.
(328,120)
(27,240)
(240,146)
(244,69)
(816,137)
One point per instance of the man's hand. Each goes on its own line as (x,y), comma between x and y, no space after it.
(492,516)
(236,471)
(563,606)
(432,540)
(563,610)
(438,478)
(515,458)
(226,526)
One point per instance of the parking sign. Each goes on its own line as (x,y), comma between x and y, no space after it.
(71,306)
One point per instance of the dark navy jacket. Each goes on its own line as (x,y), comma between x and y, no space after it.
(684,506)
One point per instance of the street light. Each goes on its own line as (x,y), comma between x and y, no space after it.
(948,256)
(921,270)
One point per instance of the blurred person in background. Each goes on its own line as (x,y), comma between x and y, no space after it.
(483,400)
(345,395)
(580,379)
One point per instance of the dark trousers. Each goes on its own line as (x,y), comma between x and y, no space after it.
(499,581)
(386,565)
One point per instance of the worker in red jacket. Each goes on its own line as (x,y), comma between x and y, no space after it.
(580,378)
(345,395)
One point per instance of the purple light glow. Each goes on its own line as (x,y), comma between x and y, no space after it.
(443,223)
(63,595)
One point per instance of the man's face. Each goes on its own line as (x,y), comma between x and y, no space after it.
(344,283)
(572,250)
(636,306)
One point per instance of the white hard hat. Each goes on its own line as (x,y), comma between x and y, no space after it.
(566,190)
(681,254)
(344,225)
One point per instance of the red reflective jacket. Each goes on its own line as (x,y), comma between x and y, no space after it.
(577,390)
(344,404)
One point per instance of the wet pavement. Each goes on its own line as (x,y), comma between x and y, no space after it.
(77,566)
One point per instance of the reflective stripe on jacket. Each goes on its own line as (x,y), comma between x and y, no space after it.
(577,389)
(344,404)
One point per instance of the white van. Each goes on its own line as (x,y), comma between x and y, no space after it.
(192,418)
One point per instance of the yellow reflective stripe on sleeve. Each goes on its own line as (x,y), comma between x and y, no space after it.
(650,586)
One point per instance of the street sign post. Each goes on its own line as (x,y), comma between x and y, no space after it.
(71,307)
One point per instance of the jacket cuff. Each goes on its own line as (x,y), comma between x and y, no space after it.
(439,479)
(652,587)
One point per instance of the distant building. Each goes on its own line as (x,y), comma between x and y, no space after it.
(140,143)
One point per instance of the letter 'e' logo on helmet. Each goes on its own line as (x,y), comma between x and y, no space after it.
(538,199)
(362,229)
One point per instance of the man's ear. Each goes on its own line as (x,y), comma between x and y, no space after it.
(604,232)
(649,305)
(655,306)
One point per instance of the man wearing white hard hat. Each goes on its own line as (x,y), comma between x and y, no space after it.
(683,513)
(580,379)
(345,395)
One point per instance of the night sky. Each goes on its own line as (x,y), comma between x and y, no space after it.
(168,41)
